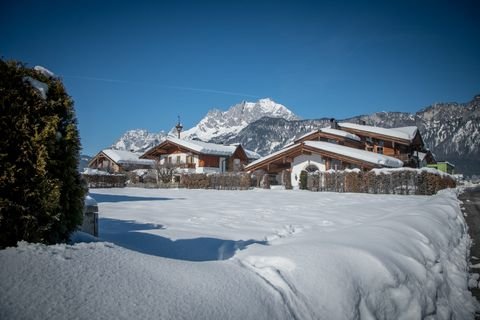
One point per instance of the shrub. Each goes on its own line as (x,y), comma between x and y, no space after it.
(41,194)
(303,180)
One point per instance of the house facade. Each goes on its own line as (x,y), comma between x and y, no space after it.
(118,161)
(343,146)
(190,156)
(403,143)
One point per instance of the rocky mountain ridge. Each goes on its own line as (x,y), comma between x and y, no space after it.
(219,124)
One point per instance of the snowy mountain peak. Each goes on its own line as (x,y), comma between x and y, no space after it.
(138,140)
(219,125)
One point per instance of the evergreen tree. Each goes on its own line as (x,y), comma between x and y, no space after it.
(41,195)
(303,180)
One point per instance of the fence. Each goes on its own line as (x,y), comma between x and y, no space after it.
(105,181)
(384,181)
(223,181)
(154,185)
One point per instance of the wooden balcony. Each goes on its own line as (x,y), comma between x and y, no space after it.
(404,157)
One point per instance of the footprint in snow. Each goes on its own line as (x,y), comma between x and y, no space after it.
(287,231)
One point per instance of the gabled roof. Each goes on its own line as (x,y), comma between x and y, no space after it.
(201,147)
(404,133)
(251,154)
(331,131)
(272,155)
(367,156)
(410,131)
(125,157)
(333,150)
(204,147)
(341,133)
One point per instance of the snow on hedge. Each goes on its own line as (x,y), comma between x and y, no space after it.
(259,254)
(41,87)
(44,71)
(378,171)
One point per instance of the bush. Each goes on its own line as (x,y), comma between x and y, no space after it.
(303,180)
(41,194)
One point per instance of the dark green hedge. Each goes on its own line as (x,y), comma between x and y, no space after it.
(41,195)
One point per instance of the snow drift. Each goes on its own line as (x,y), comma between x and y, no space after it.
(197,254)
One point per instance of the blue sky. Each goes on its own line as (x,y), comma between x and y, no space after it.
(139,64)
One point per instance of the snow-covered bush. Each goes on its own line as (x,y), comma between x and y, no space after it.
(41,194)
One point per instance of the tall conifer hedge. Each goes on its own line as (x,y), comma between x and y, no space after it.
(41,195)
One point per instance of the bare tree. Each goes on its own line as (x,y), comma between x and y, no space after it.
(165,171)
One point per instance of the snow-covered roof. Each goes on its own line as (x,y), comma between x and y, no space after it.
(332,131)
(204,147)
(126,157)
(272,155)
(410,131)
(367,156)
(252,154)
(341,133)
(306,135)
(405,133)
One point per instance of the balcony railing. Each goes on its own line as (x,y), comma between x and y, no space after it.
(185,165)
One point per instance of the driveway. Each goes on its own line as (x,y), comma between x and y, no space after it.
(471,207)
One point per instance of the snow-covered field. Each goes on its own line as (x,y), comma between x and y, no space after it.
(259,254)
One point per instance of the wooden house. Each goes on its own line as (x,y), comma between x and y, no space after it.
(314,156)
(333,136)
(191,156)
(118,161)
(345,146)
(403,143)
